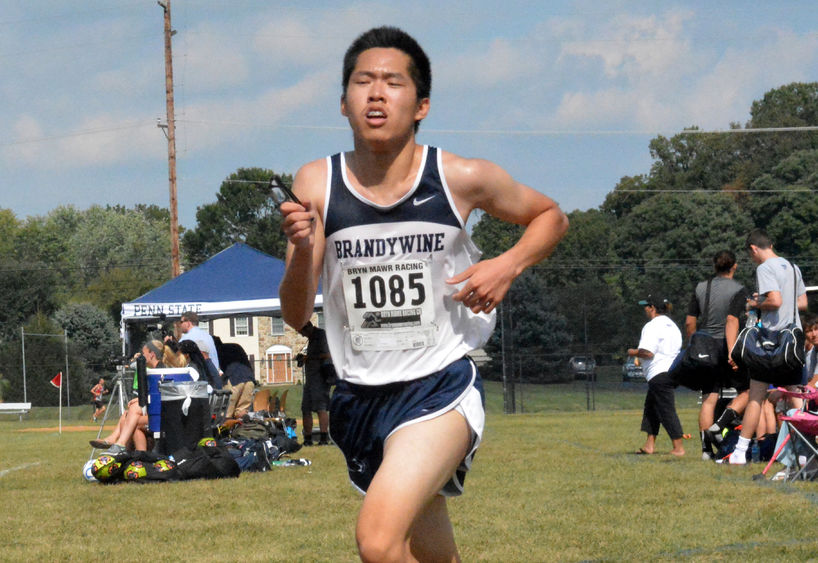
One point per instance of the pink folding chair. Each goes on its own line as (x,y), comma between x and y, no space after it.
(803,428)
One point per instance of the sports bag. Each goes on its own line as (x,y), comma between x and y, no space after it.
(696,364)
(777,353)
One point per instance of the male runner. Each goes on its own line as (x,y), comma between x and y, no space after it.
(405,297)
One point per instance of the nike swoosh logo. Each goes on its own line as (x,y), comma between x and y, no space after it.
(704,356)
(417,201)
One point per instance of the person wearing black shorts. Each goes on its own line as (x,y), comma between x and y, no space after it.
(315,394)
(707,312)
(781,293)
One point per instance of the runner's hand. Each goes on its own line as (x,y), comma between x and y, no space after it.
(299,223)
(487,283)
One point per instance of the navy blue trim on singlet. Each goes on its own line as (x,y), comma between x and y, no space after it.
(345,210)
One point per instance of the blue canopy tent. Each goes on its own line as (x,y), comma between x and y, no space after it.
(239,280)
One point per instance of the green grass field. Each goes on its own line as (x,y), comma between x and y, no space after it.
(559,484)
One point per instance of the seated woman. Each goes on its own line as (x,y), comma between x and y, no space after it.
(131,430)
(239,373)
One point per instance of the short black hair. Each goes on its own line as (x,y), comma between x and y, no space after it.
(723,261)
(387,37)
(759,238)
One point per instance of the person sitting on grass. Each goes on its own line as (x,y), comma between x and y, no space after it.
(131,430)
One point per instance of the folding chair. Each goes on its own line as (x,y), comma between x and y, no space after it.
(219,400)
(271,407)
(803,428)
(280,405)
(261,400)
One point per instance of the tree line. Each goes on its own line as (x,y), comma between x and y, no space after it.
(654,232)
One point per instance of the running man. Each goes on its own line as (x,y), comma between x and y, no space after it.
(98,391)
(405,297)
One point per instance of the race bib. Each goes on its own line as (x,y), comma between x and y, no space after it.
(390,306)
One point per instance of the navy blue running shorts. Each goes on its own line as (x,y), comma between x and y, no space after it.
(362,417)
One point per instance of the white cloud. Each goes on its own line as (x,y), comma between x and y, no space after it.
(500,62)
(96,141)
(725,93)
(636,47)
(25,150)
(228,120)
(211,58)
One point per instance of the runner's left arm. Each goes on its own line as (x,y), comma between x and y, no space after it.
(483,184)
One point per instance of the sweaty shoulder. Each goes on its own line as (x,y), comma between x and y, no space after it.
(478,183)
(472,181)
(468,174)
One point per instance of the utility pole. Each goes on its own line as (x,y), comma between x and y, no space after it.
(170,133)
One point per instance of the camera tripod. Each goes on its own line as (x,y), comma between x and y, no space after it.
(119,395)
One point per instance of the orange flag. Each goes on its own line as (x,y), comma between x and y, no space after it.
(57,381)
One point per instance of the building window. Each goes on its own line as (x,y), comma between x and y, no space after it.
(242,326)
(276,326)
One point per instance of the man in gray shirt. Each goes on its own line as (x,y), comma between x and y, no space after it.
(781,293)
(707,312)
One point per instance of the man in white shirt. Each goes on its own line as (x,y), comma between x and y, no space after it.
(659,345)
(189,325)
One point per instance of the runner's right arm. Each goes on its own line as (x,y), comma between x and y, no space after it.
(305,248)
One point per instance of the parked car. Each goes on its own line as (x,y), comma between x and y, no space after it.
(632,370)
(582,366)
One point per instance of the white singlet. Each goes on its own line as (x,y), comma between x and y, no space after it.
(389,312)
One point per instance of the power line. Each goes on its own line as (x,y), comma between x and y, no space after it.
(723,192)
(498,132)
(80,133)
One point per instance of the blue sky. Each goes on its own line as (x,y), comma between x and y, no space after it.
(564,95)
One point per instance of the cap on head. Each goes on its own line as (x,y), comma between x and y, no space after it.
(657,301)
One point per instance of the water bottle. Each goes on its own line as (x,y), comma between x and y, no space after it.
(755,453)
(752,317)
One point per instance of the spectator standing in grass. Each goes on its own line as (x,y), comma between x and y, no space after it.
(716,295)
(781,293)
(315,395)
(658,346)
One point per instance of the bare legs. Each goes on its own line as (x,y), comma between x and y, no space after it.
(402,517)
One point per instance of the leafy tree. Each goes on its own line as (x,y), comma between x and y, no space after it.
(91,333)
(243,212)
(23,290)
(536,333)
(669,240)
(113,237)
(695,160)
(629,192)
(494,236)
(104,255)
(787,211)
(45,357)
(792,105)
(585,253)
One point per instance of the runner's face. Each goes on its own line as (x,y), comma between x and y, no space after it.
(381,99)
